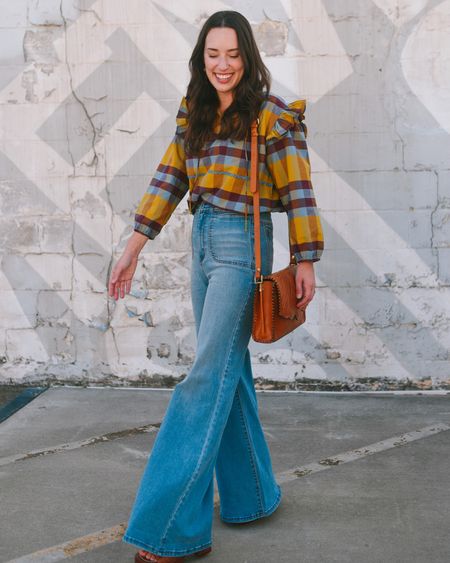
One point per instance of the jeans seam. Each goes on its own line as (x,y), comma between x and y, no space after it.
(195,226)
(250,447)
(268,228)
(212,420)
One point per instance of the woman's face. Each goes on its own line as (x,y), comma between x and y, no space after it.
(223,62)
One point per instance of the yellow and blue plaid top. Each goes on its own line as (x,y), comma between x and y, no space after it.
(221,176)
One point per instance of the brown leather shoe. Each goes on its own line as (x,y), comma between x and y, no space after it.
(153,558)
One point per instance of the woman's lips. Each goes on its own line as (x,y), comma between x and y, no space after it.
(223,78)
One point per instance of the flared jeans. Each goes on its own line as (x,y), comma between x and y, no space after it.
(212,421)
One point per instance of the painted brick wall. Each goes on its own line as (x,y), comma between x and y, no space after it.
(88,96)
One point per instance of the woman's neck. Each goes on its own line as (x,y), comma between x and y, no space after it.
(225,99)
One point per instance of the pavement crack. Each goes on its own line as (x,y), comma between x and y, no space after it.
(362,452)
(92,441)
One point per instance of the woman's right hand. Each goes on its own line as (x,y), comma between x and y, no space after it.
(123,271)
(122,275)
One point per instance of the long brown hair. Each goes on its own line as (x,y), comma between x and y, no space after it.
(202,99)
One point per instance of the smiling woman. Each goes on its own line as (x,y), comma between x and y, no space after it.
(212,422)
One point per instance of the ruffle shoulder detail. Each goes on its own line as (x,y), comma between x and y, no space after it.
(284,117)
(182,117)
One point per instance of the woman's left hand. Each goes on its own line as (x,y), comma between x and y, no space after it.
(305,283)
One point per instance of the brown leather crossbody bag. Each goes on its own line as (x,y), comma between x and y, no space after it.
(275,311)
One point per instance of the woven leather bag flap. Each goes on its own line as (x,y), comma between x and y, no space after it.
(284,282)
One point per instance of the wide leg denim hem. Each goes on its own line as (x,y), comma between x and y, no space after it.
(256,516)
(165,551)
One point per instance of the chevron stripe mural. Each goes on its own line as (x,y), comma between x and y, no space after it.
(88,96)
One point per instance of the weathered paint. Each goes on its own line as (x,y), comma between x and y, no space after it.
(88,95)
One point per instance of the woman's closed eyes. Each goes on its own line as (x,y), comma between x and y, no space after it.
(231,56)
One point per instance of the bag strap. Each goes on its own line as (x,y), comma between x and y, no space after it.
(254,190)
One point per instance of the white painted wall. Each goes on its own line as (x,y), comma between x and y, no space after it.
(88,96)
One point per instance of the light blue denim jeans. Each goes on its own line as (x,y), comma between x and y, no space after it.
(212,421)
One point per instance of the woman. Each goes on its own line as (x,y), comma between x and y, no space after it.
(212,421)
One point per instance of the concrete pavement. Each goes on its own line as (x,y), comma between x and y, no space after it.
(365,477)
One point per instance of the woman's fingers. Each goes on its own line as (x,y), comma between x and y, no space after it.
(123,289)
(306,295)
(117,287)
(305,284)
(111,287)
(114,280)
(128,286)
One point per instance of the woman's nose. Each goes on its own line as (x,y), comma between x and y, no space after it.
(223,64)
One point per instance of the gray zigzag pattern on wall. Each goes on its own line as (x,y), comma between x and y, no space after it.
(131,80)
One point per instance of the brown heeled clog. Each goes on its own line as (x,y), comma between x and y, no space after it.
(163,559)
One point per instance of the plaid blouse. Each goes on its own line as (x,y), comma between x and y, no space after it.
(221,176)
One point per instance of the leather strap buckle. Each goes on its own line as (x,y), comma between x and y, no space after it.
(260,280)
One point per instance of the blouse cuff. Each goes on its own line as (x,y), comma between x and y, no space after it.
(146,230)
(307,256)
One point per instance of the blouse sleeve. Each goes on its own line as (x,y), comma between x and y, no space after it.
(168,186)
(288,162)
